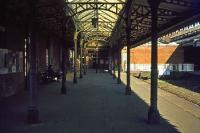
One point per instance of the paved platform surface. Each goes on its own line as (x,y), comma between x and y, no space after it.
(184,115)
(95,105)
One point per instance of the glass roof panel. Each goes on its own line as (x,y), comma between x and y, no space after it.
(95,17)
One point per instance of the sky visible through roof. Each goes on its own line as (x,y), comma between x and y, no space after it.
(96,24)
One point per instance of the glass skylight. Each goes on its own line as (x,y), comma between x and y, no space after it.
(95,18)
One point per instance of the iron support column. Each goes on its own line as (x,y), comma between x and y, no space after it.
(75,58)
(110,60)
(72,60)
(85,65)
(153,114)
(119,66)
(81,59)
(128,32)
(113,56)
(97,61)
(33,112)
(63,88)
(128,87)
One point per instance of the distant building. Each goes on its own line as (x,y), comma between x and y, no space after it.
(170,58)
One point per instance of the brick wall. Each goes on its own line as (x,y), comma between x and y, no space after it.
(166,54)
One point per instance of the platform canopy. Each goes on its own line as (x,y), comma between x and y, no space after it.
(95,18)
(172,15)
(105,19)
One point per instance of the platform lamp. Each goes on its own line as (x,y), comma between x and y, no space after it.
(95,22)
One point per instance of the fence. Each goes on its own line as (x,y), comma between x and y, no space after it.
(163,69)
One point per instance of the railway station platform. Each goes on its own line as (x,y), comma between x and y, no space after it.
(97,104)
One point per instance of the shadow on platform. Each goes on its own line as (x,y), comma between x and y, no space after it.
(95,105)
